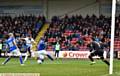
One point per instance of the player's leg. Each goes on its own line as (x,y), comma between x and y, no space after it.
(40,56)
(48,55)
(29,51)
(21,60)
(104,60)
(26,57)
(6,60)
(40,59)
(27,54)
(91,57)
(33,54)
(100,54)
(20,56)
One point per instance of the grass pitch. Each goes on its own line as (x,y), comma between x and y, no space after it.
(60,67)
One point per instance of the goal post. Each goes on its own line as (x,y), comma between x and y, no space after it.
(112,36)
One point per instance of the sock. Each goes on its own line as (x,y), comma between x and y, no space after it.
(50,57)
(7,59)
(25,58)
(90,57)
(21,61)
(29,51)
(40,59)
(106,62)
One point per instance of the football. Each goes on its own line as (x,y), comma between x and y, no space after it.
(39,61)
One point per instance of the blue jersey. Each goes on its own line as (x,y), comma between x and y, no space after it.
(11,44)
(41,45)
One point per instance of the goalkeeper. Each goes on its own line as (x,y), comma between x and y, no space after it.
(97,49)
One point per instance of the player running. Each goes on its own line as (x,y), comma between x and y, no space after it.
(42,52)
(29,41)
(97,49)
(13,49)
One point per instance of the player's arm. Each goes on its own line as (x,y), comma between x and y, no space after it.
(22,38)
(90,46)
(33,41)
(14,42)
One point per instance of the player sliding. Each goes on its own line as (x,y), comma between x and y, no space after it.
(96,49)
(42,52)
(13,49)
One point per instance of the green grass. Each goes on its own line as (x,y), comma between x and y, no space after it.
(68,67)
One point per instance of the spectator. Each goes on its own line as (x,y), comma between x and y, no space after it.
(68,28)
(57,49)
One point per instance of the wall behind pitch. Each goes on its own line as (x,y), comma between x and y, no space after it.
(51,8)
(21,7)
(70,7)
(106,7)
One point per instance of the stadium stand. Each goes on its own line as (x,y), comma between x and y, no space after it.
(75,32)
(21,26)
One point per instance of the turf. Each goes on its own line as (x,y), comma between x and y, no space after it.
(61,67)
